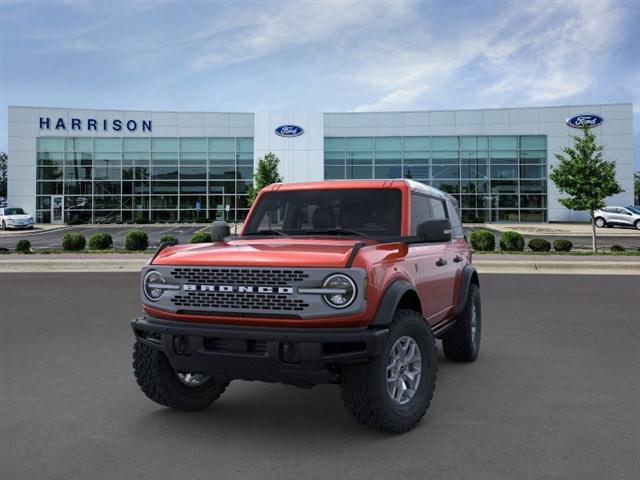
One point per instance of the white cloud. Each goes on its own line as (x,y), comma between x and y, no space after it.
(260,32)
(526,54)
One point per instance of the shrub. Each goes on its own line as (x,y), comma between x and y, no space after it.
(511,242)
(141,220)
(136,240)
(74,220)
(167,238)
(483,241)
(201,237)
(539,245)
(73,242)
(562,245)
(617,248)
(101,241)
(23,246)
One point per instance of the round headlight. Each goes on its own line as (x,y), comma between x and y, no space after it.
(343,291)
(152,282)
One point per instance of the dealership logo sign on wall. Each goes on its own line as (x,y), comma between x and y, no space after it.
(587,120)
(289,131)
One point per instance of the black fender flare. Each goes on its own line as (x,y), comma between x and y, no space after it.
(389,303)
(469,275)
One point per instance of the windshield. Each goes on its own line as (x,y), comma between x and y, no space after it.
(634,209)
(13,211)
(358,212)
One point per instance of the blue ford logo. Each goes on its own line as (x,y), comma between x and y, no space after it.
(289,131)
(587,120)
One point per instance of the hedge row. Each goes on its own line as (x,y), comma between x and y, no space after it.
(135,241)
(484,241)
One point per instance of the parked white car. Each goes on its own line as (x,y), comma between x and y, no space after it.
(621,216)
(15,218)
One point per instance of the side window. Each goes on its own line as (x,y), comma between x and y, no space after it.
(420,211)
(438,208)
(456,225)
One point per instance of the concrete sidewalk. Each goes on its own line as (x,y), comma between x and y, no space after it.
(495,263)
(556,229)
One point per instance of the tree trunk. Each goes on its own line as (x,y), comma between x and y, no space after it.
(593,232)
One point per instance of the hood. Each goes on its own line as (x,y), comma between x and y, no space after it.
(271,252)
(18,217)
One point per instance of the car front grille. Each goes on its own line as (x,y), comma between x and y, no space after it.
(239,301)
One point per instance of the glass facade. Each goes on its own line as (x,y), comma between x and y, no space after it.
(498,178)
(109,180)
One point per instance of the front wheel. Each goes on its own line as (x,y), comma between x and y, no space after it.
(462,342)
(179,390)
(4,225)
(637,224)
(600,223)
(393,391)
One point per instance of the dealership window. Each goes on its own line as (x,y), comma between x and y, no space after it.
(119,179)
(494,177)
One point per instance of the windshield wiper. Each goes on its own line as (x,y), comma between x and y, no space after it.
(266,232)
(332,231)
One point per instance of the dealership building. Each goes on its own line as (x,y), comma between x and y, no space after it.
(107,166)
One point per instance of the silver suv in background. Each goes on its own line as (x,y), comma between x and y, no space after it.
(622,216)
(15,218)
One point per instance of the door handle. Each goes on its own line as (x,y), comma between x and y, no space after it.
(457,259)
(441,262)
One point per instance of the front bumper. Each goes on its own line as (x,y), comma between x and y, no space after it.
(296,356)
(19,225)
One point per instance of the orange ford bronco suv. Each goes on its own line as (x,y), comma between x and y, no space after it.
(346,282)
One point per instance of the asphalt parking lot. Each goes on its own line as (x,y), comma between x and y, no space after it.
(554,395)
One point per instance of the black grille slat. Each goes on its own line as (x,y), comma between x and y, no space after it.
(231,276)
(225,301)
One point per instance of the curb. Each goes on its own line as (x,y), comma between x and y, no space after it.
(600,267)
(26,265)
(72,265)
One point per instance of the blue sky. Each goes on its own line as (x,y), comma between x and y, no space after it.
(318,56)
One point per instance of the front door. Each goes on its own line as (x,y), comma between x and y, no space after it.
(57,209)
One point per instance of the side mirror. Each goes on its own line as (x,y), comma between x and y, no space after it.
(436,231)
(219,230)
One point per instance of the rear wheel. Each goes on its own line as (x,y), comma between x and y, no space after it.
(600,223)
(393,391)
(637,224)
(461,343)
(164,385)
(4,225)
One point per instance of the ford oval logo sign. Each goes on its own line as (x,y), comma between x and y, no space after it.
(587,120)
(289,131)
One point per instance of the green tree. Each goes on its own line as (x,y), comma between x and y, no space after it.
(3,174)
(585,177)
(266,174)
(636,188)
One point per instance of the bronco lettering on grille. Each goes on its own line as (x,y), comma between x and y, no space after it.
(237,289)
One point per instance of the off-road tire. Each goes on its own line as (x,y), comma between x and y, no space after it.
(602,222)
(459,343)
(364,386)
(159,381)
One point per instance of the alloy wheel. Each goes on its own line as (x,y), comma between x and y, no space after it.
(192,379)
(404,365)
